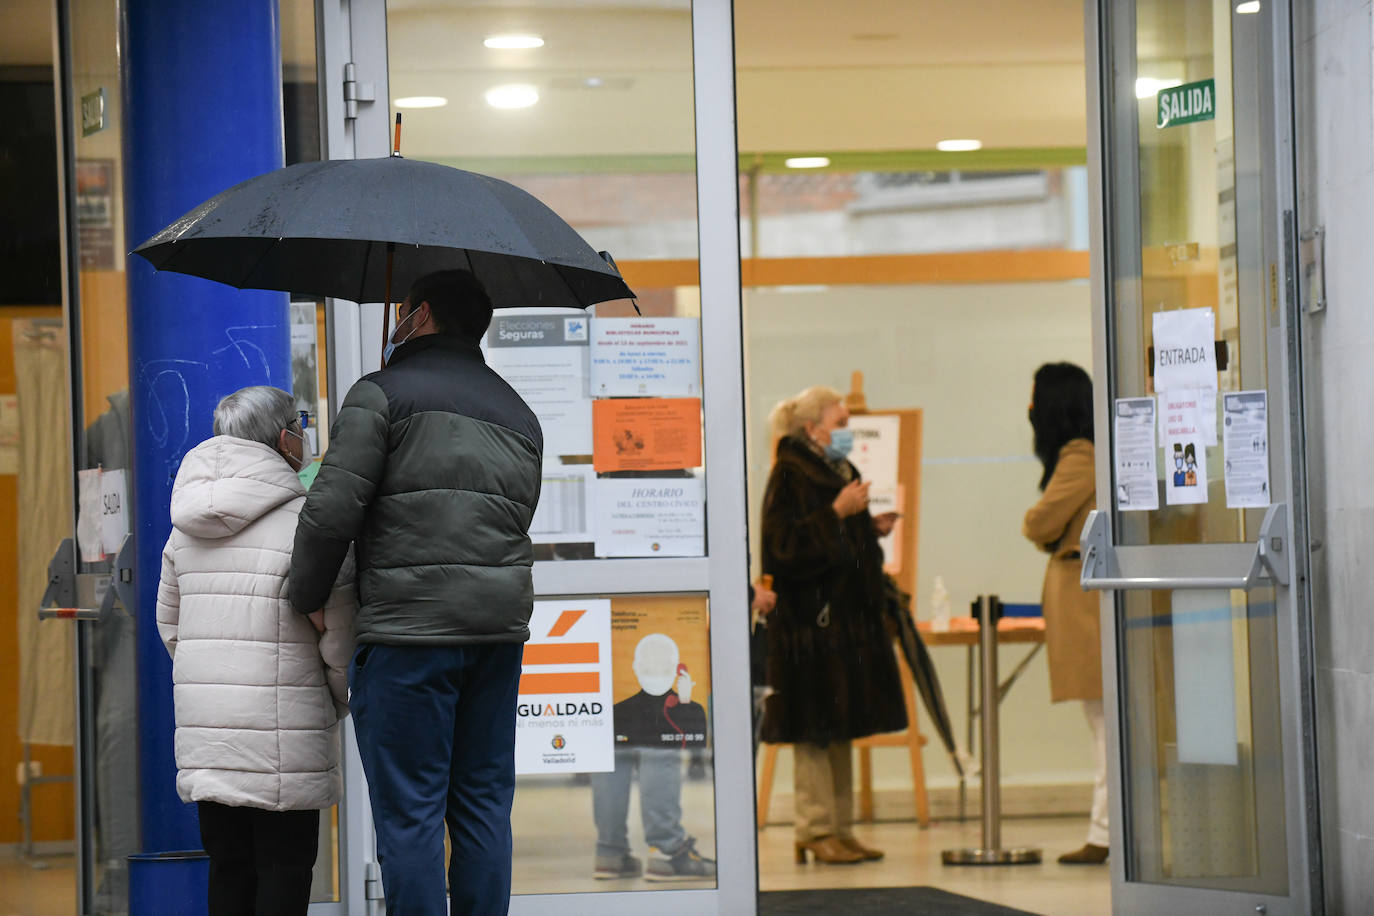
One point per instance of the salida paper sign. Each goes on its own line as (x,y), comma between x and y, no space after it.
(563,718)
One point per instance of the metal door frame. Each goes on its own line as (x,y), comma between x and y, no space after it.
(1114,190)
(355,31)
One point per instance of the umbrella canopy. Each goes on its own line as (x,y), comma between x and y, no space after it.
(324,229)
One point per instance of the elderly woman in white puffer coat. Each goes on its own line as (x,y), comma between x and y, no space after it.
(259,689)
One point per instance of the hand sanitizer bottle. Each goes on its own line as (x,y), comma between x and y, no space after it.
(939,604)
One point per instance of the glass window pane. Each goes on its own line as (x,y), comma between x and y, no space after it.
(1191,243)
(1204,764)
(591,111)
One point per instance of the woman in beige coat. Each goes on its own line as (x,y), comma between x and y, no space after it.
(1061,415)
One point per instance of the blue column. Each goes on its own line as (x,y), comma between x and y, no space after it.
(202,112)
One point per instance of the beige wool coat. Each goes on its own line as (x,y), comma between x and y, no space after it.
(1072,624)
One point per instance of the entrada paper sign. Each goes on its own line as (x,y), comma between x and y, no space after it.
(1185,350)
(646,434)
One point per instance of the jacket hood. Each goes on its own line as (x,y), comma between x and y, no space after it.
(225,484)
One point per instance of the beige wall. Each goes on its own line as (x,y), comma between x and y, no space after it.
(965,354)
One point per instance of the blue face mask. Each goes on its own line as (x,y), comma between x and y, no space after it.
(841,443)
(393,343)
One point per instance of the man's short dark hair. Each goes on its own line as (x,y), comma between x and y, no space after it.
(459,304)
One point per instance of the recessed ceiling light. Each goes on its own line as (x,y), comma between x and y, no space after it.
(1147,87)
(1249,6)
(806,162)
(421,101)
(959,146)
(513,42)
(513,95)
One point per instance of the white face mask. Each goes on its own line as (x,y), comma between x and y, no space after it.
(393,343)
(305,444)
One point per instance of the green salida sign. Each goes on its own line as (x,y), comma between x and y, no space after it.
(1186,104)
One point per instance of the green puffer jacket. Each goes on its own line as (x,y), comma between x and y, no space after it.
(433,469)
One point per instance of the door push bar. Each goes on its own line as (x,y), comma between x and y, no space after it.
(1189,566)
(60,598)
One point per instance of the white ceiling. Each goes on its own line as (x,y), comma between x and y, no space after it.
(812,75)
(821,75)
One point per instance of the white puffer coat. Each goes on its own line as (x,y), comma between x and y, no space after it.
(258,692)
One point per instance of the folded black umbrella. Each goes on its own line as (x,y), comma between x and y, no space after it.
(327,229)
(917,656)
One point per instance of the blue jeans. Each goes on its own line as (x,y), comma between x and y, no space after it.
(660,801)
(436,732)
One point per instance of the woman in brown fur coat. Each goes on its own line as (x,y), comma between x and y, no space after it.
(831,666)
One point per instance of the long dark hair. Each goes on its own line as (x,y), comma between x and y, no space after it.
(1061,411)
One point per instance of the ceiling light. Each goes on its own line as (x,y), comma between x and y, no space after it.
(806,162)
(959,146)
(421,101)
(1249,6)
(513,95)
(513,42)
(1147,87)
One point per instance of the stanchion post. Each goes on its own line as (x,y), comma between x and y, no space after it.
(990,852)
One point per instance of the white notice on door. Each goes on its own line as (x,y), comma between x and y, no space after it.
(1137,480)
(563,719)
(564,515)
(646,357)
(1246,424)
(114,513)
(1185,350)
(1185,446)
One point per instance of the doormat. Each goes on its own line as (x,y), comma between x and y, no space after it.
(879,901)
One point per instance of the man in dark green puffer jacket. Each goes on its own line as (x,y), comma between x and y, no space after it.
(433,470)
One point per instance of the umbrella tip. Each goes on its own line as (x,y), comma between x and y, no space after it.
(635,303)
(396,145)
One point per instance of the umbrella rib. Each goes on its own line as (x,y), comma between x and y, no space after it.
(246,284)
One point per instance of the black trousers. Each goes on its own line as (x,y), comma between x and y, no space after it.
(261,862)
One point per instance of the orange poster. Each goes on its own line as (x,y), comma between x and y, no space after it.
(646,434)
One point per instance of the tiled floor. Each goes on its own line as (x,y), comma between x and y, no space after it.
(555,841)
(46,891)
(913,858)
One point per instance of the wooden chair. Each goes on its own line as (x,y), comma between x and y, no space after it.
(911,739)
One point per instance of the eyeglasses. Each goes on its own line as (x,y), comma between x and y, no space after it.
(303,418)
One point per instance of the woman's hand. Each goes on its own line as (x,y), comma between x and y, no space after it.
(852,500)
(765,599)
(883,524)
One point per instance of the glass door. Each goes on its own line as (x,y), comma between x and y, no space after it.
(92,416)
(551,100)
(1201,549)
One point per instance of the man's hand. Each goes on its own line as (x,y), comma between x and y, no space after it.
(883,524)
(317,619)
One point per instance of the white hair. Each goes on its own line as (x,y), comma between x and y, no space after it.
(789,417)
(258,413)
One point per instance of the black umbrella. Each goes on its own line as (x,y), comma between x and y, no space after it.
(327,228)
(897,604)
